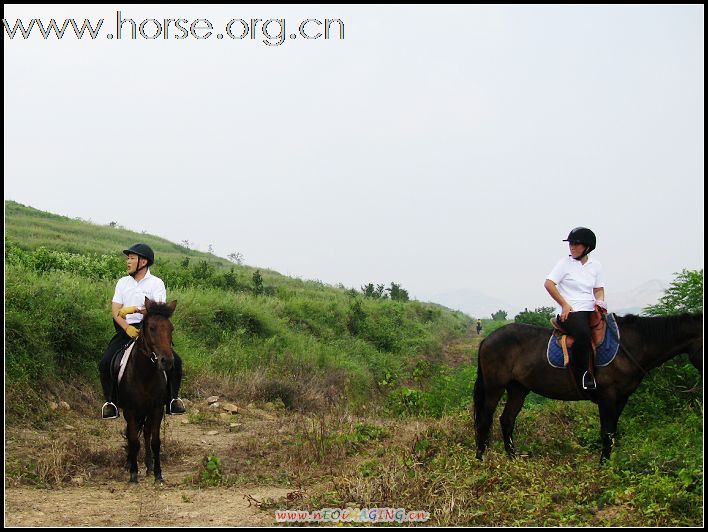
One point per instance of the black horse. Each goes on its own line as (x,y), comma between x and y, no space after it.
(142,392)
(513,358)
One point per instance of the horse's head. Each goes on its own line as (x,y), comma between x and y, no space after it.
(157,332)
(695,350)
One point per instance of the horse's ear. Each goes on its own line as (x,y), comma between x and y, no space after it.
(172,305)
(148,302)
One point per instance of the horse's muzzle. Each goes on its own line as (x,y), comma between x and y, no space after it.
(165,363)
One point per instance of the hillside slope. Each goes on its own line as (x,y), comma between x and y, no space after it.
(301,341)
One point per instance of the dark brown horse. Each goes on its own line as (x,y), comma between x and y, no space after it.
(513,359)
(142,392)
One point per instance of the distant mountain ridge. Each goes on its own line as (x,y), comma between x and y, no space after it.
(473,302)
(480,305)
(634,301)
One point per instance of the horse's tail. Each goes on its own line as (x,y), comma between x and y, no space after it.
(479,389)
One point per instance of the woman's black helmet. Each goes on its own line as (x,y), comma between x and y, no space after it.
(143,250)
(582,235)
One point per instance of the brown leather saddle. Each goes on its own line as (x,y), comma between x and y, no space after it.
(598,326)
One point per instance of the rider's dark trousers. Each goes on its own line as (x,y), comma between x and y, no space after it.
(120,340)
(578,326)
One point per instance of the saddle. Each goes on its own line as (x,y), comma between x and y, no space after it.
(598,326)
(119,362)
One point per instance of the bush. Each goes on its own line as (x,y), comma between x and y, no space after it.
(540,316)
(684,295)
(499,315)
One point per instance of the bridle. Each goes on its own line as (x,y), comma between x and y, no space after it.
(148,349)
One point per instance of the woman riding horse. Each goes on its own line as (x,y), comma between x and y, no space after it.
(577,286)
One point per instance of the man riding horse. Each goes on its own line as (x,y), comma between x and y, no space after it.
(128,310)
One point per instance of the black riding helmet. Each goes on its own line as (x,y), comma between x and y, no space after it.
(584,236)
(143,250)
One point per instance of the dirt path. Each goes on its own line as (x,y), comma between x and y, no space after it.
(117,504)
(94,491)
(464,350)
(71,473)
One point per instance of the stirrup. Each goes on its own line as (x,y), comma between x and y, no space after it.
(109,414)
(176,407)
(589,382)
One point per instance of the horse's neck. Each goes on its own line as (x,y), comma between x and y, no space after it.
(657,351)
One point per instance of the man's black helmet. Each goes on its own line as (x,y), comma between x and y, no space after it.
(143,250)
(582,235)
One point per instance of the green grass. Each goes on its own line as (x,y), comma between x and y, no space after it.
(300,341)
(310,345)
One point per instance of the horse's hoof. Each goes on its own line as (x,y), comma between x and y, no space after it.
(133,479)
(159,480)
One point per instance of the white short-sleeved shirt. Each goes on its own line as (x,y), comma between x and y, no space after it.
(575,282)
(132,293)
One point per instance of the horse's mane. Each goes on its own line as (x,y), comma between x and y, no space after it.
(659,326)
(159,309)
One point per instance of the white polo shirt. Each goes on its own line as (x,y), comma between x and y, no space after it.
(132,293)
(575,282)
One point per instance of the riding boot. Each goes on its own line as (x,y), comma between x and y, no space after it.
(174,406)
(589,376)
(109,410)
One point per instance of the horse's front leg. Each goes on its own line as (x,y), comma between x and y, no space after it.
(156,419)
(133,444)
(147,437)
(610,410)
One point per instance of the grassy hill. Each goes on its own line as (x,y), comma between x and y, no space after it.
(31,228)
(302,342)
(378,388)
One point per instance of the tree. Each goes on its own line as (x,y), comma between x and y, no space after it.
(540,316)
(369,290)
(685,294)
(375,293)
(235,257)
(398,293)
(257,282)
(380,292)
(499,315)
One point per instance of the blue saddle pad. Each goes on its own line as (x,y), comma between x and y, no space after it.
(606,351)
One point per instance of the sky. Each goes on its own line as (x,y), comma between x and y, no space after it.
(449,149)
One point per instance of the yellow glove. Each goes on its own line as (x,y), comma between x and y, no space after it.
(133,332)
(123,312)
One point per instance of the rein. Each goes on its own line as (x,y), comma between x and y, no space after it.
(148,350)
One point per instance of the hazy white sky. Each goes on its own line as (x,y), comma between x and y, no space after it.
(443,148)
